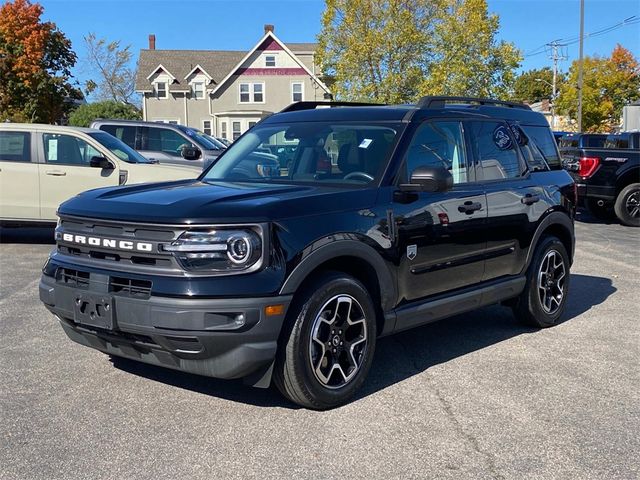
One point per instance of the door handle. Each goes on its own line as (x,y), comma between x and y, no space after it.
(56,173)
(469,207)
(530,198)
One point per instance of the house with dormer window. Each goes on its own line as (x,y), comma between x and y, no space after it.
(222,92)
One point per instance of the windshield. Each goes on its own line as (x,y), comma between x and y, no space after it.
(308,152)
(119,148)
(200,138)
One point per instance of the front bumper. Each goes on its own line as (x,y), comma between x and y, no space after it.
(222,338)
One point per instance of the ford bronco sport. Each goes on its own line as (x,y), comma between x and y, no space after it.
(383,218)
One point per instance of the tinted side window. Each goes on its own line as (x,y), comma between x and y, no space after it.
(62,149)
(165,140)
(544,140)
(495,150)
(595,141)
(15,146)
(125,133)
(438,144)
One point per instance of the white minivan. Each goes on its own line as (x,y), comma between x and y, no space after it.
(43,165)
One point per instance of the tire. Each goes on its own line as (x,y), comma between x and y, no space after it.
(543,306)
(600,212)
(312,344)
(627,205)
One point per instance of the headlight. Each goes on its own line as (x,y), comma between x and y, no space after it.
(219,249)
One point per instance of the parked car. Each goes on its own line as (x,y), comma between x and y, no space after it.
(43,165)
(608,178)
(430,210)
(164,142)
(226,142)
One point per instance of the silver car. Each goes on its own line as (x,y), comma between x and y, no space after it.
(165,143)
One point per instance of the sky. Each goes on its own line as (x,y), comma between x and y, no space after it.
(238,24)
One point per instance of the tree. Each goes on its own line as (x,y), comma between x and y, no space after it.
(534,85)
(35,67)
(608,85)
(392,51)
(85,114)
(376,49)
(114,79)
(469,60)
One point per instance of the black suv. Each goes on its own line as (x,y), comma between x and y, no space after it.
(383,219)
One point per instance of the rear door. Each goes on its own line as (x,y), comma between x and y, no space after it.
(19,189)
(441,235)
(65,170)
(514,201)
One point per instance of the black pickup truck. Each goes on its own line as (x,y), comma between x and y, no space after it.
(608,177)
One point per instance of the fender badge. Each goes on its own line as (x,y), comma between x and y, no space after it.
(412,251)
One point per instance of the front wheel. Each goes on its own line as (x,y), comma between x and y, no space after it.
(543,300)
(627,205)
(329,343)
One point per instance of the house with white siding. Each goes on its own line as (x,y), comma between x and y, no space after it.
(222,92)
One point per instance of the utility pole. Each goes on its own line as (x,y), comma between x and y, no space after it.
(580,66)
(555,56)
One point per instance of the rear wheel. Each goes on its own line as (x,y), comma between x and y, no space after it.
(328,346)
(544,298)
(627,205)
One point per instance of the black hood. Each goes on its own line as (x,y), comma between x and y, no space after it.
(193,201)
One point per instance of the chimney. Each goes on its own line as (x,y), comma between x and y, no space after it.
(152,42)
(268,28)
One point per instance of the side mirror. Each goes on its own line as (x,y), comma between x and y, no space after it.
(189,152)
(429,179)
(101,162)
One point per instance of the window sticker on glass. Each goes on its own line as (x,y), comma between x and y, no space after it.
(501,138)
(52,150)
(365,143)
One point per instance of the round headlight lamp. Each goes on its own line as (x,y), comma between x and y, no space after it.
(239,249)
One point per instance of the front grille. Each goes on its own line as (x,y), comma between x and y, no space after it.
(130,287)
(153,261)
(73,278)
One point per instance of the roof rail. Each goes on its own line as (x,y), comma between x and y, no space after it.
(440,101)
(297,106)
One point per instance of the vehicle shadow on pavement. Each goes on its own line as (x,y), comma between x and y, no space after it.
(27,235)
(583,216)
(400,356)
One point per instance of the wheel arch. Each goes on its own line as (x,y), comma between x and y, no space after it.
(354,258)
(559,225)
(630,176)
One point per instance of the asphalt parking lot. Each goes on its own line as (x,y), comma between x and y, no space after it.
(476,396)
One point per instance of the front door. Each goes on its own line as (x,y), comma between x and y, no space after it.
(66,172)
(19,193)
(441,236)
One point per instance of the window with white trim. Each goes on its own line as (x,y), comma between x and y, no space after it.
(237,130)
(252,93)
(270,61)
(206,127)
(197,90)
(161,89)
(223,130)
(297,91)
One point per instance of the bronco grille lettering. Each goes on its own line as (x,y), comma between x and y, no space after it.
(107,242)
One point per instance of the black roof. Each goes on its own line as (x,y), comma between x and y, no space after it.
(345,112)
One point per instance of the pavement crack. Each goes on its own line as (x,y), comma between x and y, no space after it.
(448,409)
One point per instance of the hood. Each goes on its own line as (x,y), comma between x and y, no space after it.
(193,201)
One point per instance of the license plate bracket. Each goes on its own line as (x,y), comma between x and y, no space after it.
(93,310)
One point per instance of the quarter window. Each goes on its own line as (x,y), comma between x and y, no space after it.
(296,92)
(15,146)
(67,150)
(544,140)
(438,144)
(495,150)
(161,89)
(197,90)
